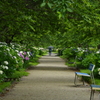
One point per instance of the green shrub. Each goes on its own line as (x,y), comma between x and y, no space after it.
(90,58)
(19,74)
(70,53)
(41,52)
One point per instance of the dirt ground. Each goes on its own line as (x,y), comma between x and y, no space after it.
(49,80)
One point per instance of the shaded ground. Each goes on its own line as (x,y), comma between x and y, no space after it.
(50,80)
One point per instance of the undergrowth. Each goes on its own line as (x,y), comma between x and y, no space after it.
(4,85)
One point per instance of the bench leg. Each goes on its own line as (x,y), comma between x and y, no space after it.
(92,94)
(83,80)
(75,79)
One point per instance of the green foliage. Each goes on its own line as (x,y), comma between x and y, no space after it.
(97,81)
(60,22)
(85,71)
(41,52)
(33,63)
(18,74)
(90,58)
(70,53)
(60,52)
(43,4)
(83,59)
(4,85)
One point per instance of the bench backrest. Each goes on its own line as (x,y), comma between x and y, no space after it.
(91,67)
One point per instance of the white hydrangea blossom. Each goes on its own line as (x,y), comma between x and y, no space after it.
(1,72)
(98,52)
(14,57)
(21,51)
(18,54)
(16,50)
(6,62)
(8,49)
(83,50)
(4,67)
(28,54)
(12,46)
(1,45)
(99,71)
(79,49)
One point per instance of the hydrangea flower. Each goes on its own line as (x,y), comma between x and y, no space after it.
(21,55)
(1,45)
(4,67)
(14,57)
(26,58)
(8,49)
(28,54)
(17,51)
(21,51)
(1,72)
(98,52)
(25,53)
(6,62)
(99,71)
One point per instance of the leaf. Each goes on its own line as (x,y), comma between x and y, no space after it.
(43,4)
(59,14)
(49,4)
(69,10)
(31,27)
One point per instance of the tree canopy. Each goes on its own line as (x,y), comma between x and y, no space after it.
(63,23)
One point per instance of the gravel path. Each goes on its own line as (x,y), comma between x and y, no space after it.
(49,80)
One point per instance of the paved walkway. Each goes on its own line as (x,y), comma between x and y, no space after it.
(49,80)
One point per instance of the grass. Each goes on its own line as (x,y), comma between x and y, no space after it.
(4,85)
(33,63)
(70,63)
(84,71)
(16,75)
(97,81)
(19,74)
(87,79)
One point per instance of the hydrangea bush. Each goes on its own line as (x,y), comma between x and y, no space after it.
(84,57)
(70,53)
(12,58)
